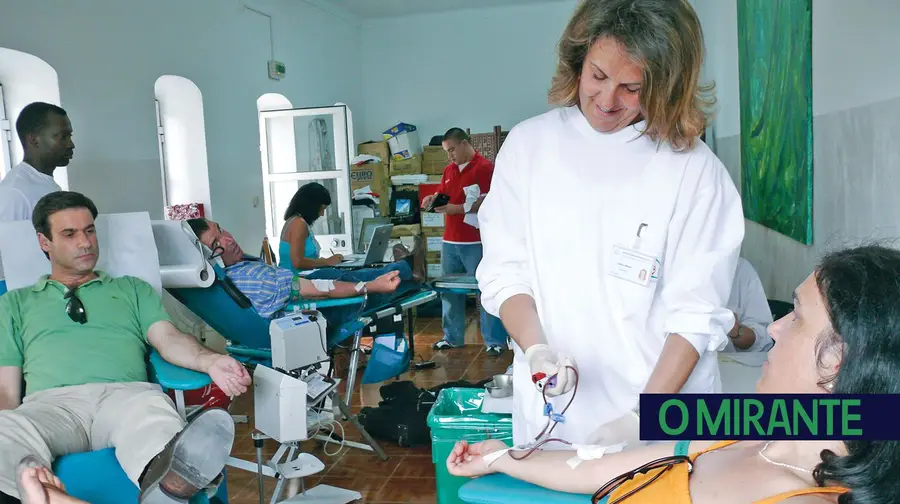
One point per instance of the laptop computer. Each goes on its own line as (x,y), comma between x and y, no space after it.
(376,250)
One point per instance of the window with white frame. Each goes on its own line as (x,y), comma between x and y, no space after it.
(303,145)
(5,138)
(25,78)
(181,132)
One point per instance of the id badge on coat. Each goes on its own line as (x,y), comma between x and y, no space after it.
(633,265)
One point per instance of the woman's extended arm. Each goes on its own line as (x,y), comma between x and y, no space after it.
(296,235)
(549,469)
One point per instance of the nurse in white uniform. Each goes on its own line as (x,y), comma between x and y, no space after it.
(46,135)
(611,233)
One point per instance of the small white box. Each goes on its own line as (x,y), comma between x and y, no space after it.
(435,244)
(435,271)
(279,405)
(431,219)
(403,139)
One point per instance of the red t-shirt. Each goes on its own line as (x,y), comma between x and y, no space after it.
(478,171)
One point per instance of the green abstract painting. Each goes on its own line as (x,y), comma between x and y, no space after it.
(775,65)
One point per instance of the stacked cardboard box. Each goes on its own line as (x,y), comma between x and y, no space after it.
(403,140)
(375,175)
(434,160)
(407,166)
(434,244)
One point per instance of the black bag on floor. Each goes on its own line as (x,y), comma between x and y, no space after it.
(402,415)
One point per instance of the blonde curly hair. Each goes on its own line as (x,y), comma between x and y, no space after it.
(665,39)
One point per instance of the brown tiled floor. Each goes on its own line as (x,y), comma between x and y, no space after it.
(408,475)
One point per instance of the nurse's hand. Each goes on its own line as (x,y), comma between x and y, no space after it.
(468,460)
(552,373)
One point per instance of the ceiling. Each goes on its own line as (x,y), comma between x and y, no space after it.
(367,9)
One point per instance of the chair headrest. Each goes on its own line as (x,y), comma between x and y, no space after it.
(126,242)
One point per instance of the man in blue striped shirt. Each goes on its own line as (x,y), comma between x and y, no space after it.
(271,288)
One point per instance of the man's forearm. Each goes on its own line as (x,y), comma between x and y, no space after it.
(9,403)
(183,350)
(520,318)
(308,290)
(674,366)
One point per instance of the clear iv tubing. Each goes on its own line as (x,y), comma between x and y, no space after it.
(548,429)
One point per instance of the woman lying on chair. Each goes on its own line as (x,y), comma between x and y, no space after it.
(842,337)
(299,251)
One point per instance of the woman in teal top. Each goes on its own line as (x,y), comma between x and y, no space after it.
(299,251)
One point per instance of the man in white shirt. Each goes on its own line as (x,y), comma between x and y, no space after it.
(46,135)
(751,312)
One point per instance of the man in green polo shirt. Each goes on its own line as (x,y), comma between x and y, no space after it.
(78,341)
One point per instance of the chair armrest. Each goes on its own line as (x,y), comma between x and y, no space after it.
(314,304)
(170,376)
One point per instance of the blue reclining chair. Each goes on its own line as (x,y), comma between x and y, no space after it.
(218,302)
(96,477)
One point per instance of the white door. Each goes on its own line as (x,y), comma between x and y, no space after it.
(304,145)
(6,137)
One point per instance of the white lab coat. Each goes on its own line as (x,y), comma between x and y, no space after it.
(748,300)
(562,196)
(20,191)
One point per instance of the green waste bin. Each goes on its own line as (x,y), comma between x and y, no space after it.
(456,415)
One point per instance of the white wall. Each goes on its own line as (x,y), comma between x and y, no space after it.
(856,130)
(109,53)
(467,68)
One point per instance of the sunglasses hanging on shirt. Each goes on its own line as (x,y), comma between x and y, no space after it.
(75,308)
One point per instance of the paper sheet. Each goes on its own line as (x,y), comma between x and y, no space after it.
(491,404)
(126,246)
(473,192)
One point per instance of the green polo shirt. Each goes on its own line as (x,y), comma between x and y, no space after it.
(37,335)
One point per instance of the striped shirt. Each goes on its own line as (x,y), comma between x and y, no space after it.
(267,287)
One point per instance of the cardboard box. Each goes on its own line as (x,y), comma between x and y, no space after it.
(434,244)
(374,175)
(379,149)
(434,160)
(403,140)
(411,166)
(400,231)
(433,231)
(431,220)
(432,258)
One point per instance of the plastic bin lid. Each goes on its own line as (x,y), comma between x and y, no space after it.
(461,407)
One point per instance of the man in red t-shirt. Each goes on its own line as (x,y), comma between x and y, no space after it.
(468,172)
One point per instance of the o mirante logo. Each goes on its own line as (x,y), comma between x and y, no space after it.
(768,416)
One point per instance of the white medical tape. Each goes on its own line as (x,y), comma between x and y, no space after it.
(323,285)
(492,457)
(592,452)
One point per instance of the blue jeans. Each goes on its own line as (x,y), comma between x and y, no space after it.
(364,274)
(338,315)
(458,259)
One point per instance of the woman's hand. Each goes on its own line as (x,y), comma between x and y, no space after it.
(468,460)
(427,200)
(334,260)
